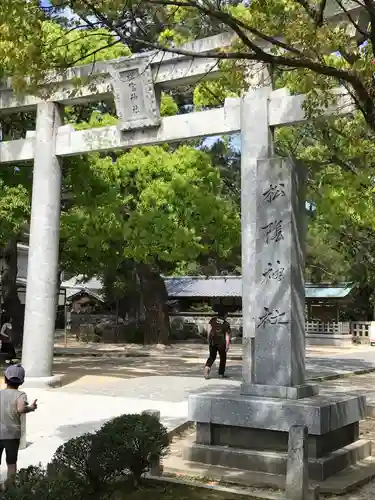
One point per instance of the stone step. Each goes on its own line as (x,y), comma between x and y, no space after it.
(350,478)
(253,460)
(224,474)
(338,460)
(270,462)
(343,482)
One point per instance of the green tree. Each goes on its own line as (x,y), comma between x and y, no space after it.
(340,158)
(103,246)
(321,55)
(14,213)
(151,207)
(41,45)
(321,41)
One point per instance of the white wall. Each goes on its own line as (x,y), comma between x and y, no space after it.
(22,262)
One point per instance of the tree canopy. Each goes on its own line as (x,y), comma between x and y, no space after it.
(126,214)
(149,205)
(326,42)
(152,209)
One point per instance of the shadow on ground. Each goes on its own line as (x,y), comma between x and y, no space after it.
(164,365)
(318,366)
(77,367)
(66,432)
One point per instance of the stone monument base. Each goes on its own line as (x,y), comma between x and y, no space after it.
(44,382)
(251,433)
(278,391)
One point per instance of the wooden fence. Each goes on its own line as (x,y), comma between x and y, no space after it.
(360,329)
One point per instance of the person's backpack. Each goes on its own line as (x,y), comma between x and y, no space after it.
(219,332)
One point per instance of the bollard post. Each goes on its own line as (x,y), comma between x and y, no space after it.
(314,493)
(156,468)
(297,478)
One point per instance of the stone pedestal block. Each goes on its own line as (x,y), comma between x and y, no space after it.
(251,433)
(321,414)
(56,380)
(280,391)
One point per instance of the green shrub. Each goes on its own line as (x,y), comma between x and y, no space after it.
(89,466)
(34,483)
(133,442)
(84,461)
(27,484)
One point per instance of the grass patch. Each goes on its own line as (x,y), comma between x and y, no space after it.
(173,491)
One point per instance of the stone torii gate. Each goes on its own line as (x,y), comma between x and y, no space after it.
(235,428)
(135,83)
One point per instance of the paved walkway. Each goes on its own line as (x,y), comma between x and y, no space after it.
(181,349)
(86,371)
(87,403)
(360,384)
(62,415)
(103,387)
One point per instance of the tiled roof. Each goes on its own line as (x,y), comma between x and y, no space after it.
(71,293)
(327,292)
(200,286)
(231,286)
(214,286)
(79,283)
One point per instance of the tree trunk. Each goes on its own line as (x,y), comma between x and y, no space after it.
(11,302)
(154,297)
(363,305)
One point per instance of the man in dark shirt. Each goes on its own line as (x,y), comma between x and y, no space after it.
(219,341)
(7,347)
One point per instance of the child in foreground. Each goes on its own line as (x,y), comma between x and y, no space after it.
(13,403)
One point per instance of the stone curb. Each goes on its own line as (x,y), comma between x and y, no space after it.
(336,376)
(222,489)
(119,354)
(179,429)
(323,378)
(235,492)
(166,354)
(99,354)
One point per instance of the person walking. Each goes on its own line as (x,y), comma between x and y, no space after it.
(7,346)
(218,337)
(13,403)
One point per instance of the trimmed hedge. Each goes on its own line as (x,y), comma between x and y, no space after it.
(135,441)
(91,466)
(34,483)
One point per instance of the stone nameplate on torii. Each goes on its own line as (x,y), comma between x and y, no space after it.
(134,94)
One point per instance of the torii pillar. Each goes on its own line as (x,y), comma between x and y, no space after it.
(42,269)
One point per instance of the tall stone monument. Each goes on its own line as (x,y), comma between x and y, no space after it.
(247,428)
